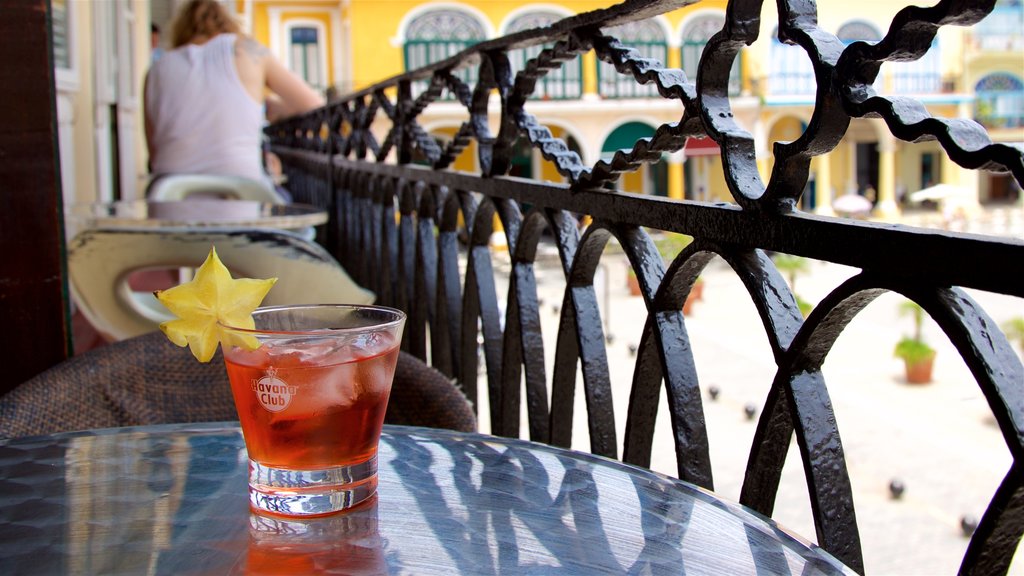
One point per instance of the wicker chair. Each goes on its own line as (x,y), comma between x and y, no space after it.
(148,380)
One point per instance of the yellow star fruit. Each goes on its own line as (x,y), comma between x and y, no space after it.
(210,299)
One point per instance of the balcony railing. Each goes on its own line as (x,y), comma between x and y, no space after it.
(1001,30)
(421,238)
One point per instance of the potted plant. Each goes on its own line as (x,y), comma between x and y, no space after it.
(670,244)
(632,283)
(918,357)
(1014,329)
(793,266)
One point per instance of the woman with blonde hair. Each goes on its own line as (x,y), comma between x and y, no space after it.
(206,98)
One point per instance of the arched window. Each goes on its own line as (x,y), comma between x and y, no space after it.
(646,37)
(695,38)
(437,35)
(858,30)
(921,76)
(906,77)
(790,72)
(999,101)
(559,84)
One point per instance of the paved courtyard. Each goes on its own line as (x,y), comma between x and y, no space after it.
(939,440)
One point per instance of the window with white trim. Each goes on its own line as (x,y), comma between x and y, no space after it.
(561,83)
(790,71)
(64,57)
(304,55)
(1000,101)
(647,38)
(695,39)
(440,34)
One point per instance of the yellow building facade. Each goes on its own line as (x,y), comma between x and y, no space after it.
(773,95)
(345,45)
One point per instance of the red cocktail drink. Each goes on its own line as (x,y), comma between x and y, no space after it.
(311,385)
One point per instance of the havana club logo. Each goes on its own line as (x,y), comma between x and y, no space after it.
(273,393)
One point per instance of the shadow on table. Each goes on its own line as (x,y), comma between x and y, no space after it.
(548,511)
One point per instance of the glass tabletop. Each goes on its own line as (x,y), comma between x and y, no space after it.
(172,500)
(194,213)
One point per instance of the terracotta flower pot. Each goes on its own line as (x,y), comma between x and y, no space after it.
(690,301)
(920,372)
(697,292)
(633,284)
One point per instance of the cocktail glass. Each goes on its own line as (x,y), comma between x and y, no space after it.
(311,386)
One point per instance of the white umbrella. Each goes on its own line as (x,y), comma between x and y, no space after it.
(851,204)
(940,192)
(955,202)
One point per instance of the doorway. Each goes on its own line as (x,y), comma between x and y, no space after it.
(867,170)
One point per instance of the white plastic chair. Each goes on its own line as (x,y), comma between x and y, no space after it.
(100,261)
(174,187)
(171,187)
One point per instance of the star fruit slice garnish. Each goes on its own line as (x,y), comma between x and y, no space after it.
(212,298)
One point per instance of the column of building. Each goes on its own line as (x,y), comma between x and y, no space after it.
(823,186)
(887,208)
(676,179)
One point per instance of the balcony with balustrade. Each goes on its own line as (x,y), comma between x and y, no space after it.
(421,233)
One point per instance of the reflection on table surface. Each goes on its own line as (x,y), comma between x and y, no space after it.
(173,500)
(194,213)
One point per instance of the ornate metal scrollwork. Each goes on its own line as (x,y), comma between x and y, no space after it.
(445,224)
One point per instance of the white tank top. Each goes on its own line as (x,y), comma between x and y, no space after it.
(204,122)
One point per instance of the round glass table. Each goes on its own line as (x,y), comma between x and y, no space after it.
(194,213)
(172,500)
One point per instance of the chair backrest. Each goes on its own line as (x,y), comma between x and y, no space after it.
(139,381)
(171,187)
(148,380)
(100,261)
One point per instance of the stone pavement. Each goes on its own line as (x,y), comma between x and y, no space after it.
(939,440)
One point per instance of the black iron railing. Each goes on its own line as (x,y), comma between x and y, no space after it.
(419,235)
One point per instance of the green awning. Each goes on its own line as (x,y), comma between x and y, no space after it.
(625,136)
